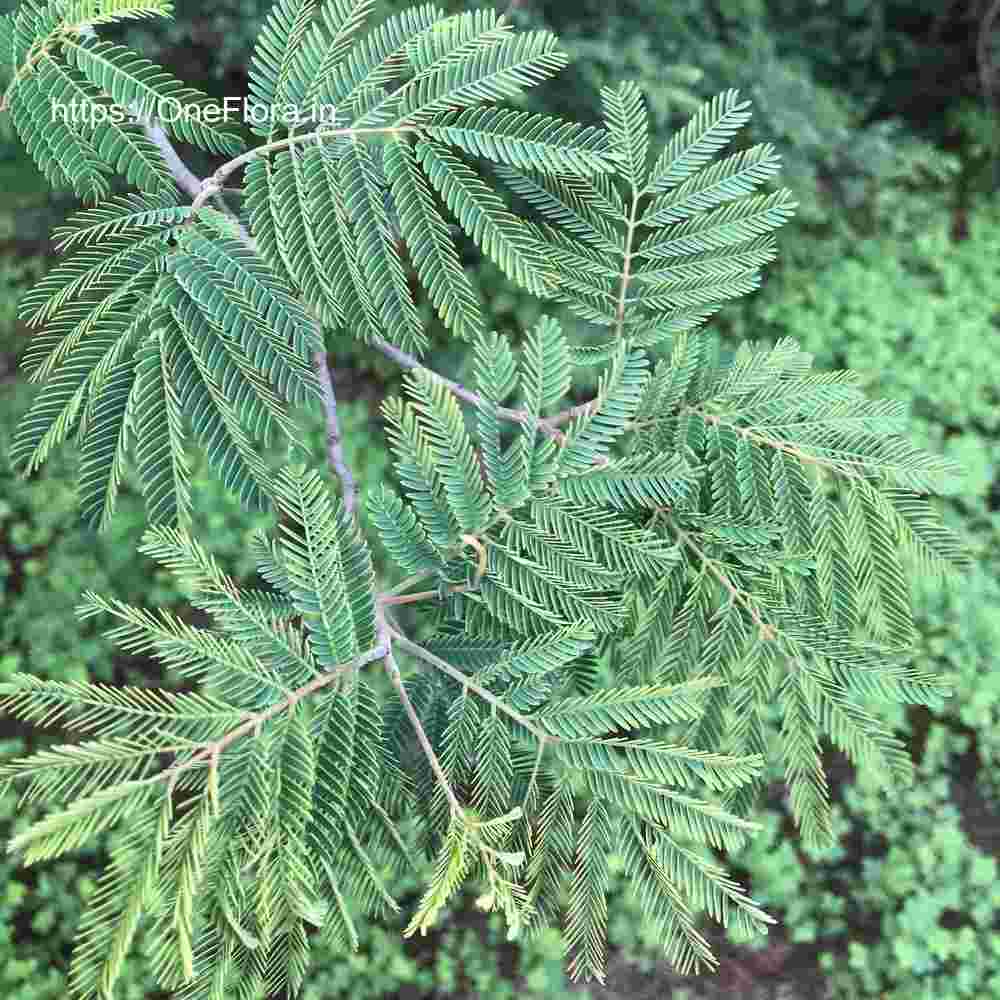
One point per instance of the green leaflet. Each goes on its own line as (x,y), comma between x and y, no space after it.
(402,534)
(804,773)
(552,841)
(592,433)
(625,708)
(116,216)
(546,377)
(104,447)
(526,141)
(272,76)
(430,247)
(483,215)
(65,831)
(129,887)
(159,426)
(453,454)
(709,130)
(628,124)
(655,885)
(328,569)
(496,378)
(342,19)
(488,73)
(450,870)
(491,786)
(379,256)
(733,177)
(588,909)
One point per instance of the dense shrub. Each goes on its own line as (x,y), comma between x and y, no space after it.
(906,908)
(829,108)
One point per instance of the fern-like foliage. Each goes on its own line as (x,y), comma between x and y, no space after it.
(756,528)
(341,212)
(79,103)
(688,235)
(166,328)
(285,781)
(338,213)
(617,590)
(746,523)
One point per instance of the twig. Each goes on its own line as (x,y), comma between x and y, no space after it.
(428,657)
(410,363)
(184,177)
(334,442)
(391,600)
(212,751)
(838,465)
(583,410)
(392,669)
(547,425)
(425,744)
(214,183)
(182,174)
(398,593)
(626,266)
(405,585)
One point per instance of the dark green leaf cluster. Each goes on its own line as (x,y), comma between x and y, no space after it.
(336,213)
(165,327)
(196,323)
(289,785)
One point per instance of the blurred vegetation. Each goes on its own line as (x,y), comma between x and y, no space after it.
(892,267)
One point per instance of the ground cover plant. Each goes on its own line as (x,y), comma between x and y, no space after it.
(614,594)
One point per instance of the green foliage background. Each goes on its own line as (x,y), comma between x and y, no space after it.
(891,268)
